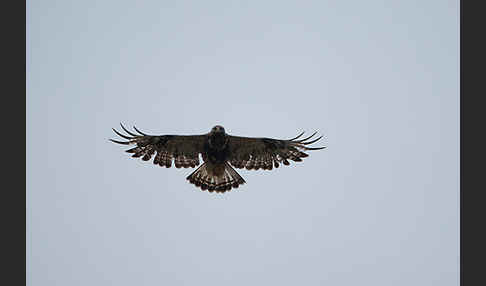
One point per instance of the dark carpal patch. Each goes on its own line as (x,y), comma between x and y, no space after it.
(272,143)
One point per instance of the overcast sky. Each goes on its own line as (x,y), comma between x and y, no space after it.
(378,206)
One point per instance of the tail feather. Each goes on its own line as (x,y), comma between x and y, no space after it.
(219,178)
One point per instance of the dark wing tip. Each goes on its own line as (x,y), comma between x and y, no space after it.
(128,132)
(121,135)
(313,141)
(119,142)
(302,140)
(298,136)
(139,131)
(314,148)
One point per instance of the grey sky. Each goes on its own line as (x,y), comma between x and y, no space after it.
(379,79)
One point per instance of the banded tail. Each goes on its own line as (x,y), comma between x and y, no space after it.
(219,178)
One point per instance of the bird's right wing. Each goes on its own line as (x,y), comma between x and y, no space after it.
(183,149)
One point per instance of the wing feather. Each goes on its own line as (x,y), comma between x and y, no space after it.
(266,153)
(184,150)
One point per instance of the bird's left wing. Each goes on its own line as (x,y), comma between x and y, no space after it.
(264,153)
(183,149)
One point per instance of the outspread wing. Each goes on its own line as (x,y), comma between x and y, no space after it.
(183,149)
(264,153)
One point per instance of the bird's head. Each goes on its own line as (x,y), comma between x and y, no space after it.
(218,129)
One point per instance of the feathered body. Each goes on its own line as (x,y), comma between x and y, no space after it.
(218,150)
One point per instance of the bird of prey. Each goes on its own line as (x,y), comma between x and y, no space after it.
(218,150)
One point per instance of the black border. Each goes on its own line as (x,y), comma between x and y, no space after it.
(461,143)
(471,73)
(13,113)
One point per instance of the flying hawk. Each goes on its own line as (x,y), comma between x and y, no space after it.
(217,149)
